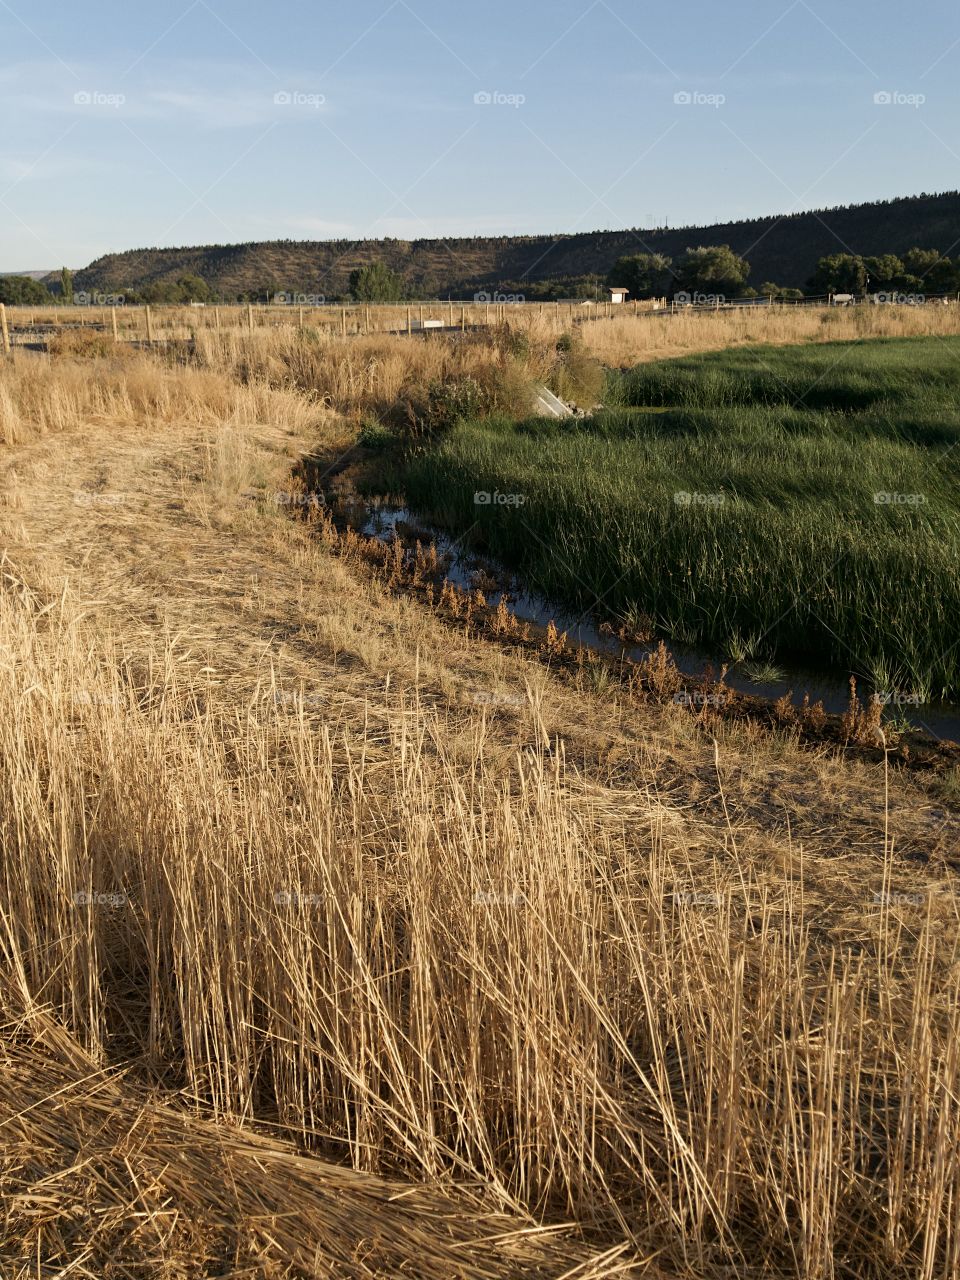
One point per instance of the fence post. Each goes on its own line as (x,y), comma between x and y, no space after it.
(149,325)
(301,317)
(113,317)
(216,317)
(409,321)
(463,319)
(421,315)
(450,302)
(250,316)
(4,331)
(343,322)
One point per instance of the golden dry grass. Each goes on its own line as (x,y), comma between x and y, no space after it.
(39,394)
(262,846)
(628,340)
(619,336)
(178,322)
(353,375)
(101,1178)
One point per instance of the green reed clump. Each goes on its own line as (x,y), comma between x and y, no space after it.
(841,376)
(830,532)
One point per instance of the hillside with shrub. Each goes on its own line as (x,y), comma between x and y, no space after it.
(784,248)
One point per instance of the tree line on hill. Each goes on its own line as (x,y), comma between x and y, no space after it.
(706,272)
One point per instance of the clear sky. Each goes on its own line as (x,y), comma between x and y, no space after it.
(127,125)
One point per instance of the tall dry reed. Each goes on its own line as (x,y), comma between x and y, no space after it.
(398,957)
(356,375)
(41,394)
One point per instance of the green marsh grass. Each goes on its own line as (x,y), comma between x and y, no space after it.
(806,497)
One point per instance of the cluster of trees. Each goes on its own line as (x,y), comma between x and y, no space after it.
(709,269)
(21,291)
(919,271)
(24,291)
(182,291)
(716,269)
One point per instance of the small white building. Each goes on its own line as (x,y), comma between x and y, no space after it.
(618,295)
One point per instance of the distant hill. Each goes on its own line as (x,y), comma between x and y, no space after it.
(784,249)
(33,275)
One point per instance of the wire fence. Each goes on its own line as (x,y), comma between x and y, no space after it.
(35,327)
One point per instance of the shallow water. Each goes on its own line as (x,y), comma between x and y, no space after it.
(384,521)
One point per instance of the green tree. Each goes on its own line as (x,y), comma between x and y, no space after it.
(183,290)
(191,288)
(931,272)
(713,268)
(20,291)
(885,272)
(66,284)
(377,283)
(839,273)
(770,290)
(160,292)
(646,275)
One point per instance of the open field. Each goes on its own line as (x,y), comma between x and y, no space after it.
(337,941)
(796,503)
(618,335)
(148,324)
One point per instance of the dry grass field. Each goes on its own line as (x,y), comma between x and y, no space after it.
(337,942)
(625,340)
(619,336)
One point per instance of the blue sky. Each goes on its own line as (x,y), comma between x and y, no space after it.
(202,121)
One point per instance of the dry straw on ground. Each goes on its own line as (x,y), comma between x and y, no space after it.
(101,1178)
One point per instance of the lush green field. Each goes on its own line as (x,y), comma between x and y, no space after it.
(774,503)
(896,377)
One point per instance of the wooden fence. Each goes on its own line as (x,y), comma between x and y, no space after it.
(150,324)
(143,325)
